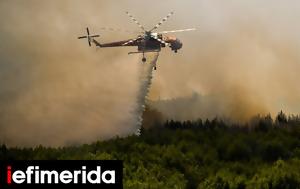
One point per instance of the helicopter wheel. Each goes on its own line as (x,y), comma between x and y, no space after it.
(144,60)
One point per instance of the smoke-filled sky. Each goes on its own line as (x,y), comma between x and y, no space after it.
(55,90)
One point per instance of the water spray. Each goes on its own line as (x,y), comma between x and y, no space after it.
(145,84)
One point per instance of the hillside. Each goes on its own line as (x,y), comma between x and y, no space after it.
(199,154)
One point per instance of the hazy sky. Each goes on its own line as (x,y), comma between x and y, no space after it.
(55,90)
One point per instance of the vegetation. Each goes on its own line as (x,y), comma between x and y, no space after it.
(199,154)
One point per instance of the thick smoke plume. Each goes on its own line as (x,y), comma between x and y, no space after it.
(243,60)
(54,89)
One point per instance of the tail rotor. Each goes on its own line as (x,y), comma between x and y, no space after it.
(88,36)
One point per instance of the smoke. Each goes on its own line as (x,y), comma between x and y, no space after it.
(242,61)
(55,90)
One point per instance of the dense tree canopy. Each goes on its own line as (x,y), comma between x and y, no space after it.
(197,154)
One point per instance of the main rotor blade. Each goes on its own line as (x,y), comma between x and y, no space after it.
(95,36)
(162,21)
(135,21)
(82,37)
(131,41)
(160,40)
(119,30)
(176,31)
(88,31)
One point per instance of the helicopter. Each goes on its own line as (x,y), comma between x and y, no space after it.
(147,40)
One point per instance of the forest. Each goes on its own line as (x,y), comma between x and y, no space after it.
(214,154)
